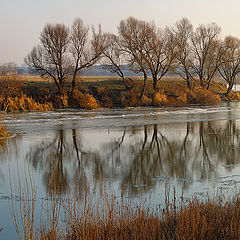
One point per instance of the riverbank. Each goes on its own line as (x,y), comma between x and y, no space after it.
(3,133)
(25,93)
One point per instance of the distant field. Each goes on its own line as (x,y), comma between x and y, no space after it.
(30,78)
(84,79)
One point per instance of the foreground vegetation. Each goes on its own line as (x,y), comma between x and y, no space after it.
(109,218)
(27,93)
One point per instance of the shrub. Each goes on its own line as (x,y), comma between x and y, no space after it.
(86,101)
(105,96)
(204,96)
(109,218)
(182,99)
(24,103)
(59,101)
(146,101)
(129,99)
(4,133)
(160,99)
(232,96)
(191,96)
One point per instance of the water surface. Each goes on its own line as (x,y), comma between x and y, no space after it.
(136,153)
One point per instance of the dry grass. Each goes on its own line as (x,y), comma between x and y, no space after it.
(86,101)
(146,101)
(160,99)
(24,103)
(109,218)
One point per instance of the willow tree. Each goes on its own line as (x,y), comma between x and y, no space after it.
(182,32)
(207,52)
(63,52)
(132,39)
(115,60)
(149,48)
(230,67)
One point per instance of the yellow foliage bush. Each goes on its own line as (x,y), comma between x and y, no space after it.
(146,101)
(191,96)
(160,99)
(232,96)
(25,103)
(59,101)
(204,96)
(86,101)
(182,99)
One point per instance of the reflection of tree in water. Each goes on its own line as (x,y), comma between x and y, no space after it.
(49,158)
(195,156)
(55,158)
(7,147)
(138,158)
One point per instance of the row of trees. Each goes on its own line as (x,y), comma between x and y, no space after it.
(8,69)
(194,54)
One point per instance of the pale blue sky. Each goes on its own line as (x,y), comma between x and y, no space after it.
(21,21)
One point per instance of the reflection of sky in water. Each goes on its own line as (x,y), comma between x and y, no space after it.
(141,153)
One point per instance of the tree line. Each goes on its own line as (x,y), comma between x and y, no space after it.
(195,54)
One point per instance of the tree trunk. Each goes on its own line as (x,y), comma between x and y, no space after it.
(188,83)
(230,86)
(73,84)
(144,85)
(155,82)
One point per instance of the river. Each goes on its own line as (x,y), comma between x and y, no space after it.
(139,153)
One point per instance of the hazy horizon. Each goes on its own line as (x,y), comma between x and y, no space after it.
(22,21)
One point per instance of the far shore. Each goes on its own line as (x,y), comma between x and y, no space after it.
(33,93)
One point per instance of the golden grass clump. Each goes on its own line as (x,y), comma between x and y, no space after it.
(146,101)
(191,96)
(204,96)
(86,101)
(232,96)
(182,99)
(160,99)
(59,101)
(25,103)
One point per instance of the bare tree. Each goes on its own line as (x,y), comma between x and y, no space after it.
(148,48)
(207,51)
(63,53)
(132,40)
(182,32)
(160,51)
(85,52)
(115,60)
(230,67)
(50,58)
